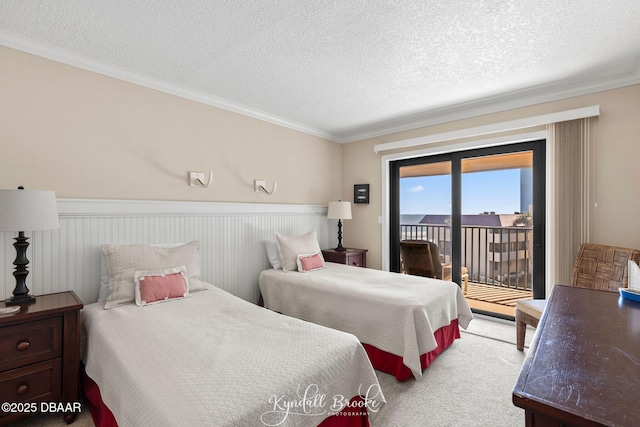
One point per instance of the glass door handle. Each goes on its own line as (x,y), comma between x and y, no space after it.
(537,235)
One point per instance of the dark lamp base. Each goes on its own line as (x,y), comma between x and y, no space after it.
(21,292)
(339,248)
(21,299)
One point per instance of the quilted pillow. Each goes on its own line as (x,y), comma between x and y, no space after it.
(290,247)
(103,293)
(124,260)
(159,286)
(310,262)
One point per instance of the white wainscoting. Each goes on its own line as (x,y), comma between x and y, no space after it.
(230,234)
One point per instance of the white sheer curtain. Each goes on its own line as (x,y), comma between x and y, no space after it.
(569,144)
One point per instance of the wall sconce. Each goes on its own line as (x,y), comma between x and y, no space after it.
(196,179)
(259,186)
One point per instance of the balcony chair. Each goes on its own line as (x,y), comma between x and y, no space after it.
(422,258)
(596,267)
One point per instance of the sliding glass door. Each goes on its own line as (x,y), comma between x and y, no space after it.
(425,192)
(483,211)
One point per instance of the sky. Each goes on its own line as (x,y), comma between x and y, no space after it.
(497,191)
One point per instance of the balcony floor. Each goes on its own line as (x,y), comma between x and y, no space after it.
(494,299)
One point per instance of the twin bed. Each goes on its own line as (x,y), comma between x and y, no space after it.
(208,358)
(215,360)
(403,321)
(201,356)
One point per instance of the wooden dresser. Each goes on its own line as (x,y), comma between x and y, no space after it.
(39,356)
(355,257)
(583,366)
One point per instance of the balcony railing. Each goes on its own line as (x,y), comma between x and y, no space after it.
(499,256)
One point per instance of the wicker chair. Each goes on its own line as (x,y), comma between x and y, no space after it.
(596,267)
(422,258)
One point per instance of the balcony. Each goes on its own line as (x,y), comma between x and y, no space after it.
(498,260)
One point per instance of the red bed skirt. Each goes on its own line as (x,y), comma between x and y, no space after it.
(103,417)
(392,364)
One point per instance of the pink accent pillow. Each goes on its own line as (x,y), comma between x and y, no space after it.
(160,286)
(310,262)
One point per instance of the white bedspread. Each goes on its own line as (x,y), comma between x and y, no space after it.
(397,313)
(216,360)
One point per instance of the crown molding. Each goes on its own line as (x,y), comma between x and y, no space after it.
(34,47)
(487,105)
(504,102)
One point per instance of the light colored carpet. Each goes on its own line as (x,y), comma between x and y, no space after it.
(469,384)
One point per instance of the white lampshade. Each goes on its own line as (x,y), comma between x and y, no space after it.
(339,210)
(28,210)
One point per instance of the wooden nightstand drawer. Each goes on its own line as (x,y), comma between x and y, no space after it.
(39,357)
(353,257)
(37,382)
(30,342)
(356,260)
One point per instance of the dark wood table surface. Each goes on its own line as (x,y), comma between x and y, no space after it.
(583,366)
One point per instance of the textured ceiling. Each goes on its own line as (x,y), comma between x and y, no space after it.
(343,69)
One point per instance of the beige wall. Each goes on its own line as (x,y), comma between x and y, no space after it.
(86,135)
(615,179)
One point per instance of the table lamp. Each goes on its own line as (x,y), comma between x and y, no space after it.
(339,210)
(26,210)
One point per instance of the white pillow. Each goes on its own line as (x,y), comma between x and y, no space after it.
(290,247)
(124,260)
(103,293)
(153,287)
(272,253)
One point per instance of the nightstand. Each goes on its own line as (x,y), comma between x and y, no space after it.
(39,356)
(355,257)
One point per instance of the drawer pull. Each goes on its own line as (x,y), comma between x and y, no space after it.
(23,345)
(22,389)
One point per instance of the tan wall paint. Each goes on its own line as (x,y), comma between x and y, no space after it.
(86,135)
(615,178)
